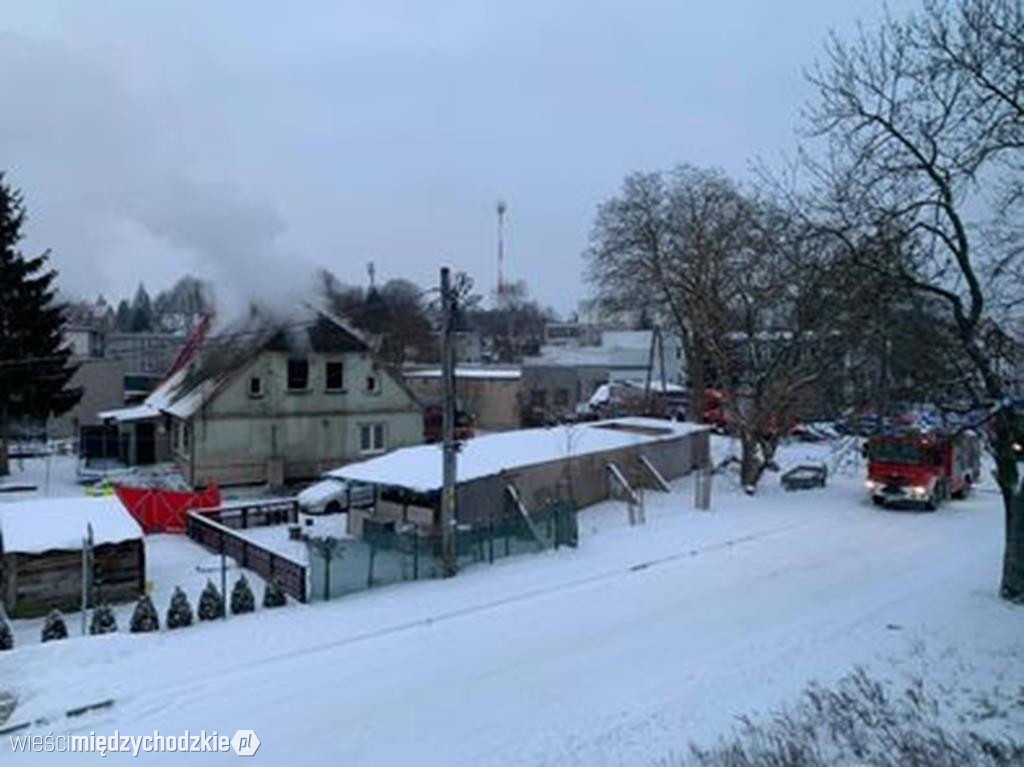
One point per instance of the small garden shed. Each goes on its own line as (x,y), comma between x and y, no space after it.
(41,545)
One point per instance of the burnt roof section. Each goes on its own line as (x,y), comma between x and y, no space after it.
(236,345)
(324,336)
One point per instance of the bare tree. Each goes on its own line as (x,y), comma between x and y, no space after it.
(666,244)
(778,343)
(737,278)
(922,125)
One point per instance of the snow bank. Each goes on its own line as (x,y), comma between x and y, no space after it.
(32,527)
(419,468)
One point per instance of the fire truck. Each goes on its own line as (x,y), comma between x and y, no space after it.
(922,468)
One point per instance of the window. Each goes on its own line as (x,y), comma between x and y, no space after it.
(335,375)
(255,386)
(372,438)
(372,385)
(562,398)
(538,398)
(298,375)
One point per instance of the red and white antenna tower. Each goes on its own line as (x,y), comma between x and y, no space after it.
(501,208)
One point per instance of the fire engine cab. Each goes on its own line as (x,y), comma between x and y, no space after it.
(922,468)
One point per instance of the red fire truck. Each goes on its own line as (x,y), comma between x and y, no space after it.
(922,468)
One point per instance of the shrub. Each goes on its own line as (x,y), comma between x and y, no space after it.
(861,721)
(6,635)
(211,603)
(54,627)
(179,612)
(273,594)
(242,599)
(103,621)
(144,617)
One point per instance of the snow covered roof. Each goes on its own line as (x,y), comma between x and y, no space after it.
(32,527)
(157,401)
(419,468)
(510,374)
(135,413)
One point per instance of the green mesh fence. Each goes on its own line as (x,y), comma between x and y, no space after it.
(392,554)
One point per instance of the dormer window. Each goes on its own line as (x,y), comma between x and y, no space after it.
(255,386)
(298,375)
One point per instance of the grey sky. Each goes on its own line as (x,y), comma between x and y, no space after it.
(245,141)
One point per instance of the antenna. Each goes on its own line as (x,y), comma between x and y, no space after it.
(501,208)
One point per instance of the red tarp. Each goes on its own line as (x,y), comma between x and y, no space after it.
(163,511)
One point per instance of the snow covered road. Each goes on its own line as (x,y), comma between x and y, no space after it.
(617,653)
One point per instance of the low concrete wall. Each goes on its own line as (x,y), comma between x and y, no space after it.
(584,479)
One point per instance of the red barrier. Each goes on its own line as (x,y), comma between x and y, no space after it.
(163,511)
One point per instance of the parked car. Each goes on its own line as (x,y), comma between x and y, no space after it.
(333,495)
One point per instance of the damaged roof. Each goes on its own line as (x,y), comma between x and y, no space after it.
(224,354)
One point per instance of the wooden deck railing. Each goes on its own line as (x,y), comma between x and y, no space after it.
(215,530)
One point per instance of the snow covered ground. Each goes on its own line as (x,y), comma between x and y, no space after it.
(51,476)
(616,653)
(276,539)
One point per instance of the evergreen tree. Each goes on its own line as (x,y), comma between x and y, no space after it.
(273,594)
(6,635)
(34,369)
(54,627)
(242,599)
(103,620)
(179,613)
(142,312)
(123,317)
(211,603)
(144,618)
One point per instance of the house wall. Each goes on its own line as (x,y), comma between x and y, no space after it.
(494,402)
(102,385)
(554,391)
(34,584)
(285,435)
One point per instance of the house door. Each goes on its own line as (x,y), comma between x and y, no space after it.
(145,443)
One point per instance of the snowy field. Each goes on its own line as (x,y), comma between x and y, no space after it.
(619,652)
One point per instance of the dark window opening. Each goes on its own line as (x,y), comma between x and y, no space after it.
(335,375)
(298,374)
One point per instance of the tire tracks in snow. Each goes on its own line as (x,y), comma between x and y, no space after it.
(175,695)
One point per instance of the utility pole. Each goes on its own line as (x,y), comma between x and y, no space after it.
(501,208)
(448,424)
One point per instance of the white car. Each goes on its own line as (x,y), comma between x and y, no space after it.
(333,495)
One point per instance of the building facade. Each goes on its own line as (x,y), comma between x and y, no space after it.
(490,396)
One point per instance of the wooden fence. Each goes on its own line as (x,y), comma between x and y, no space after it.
(215,530)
